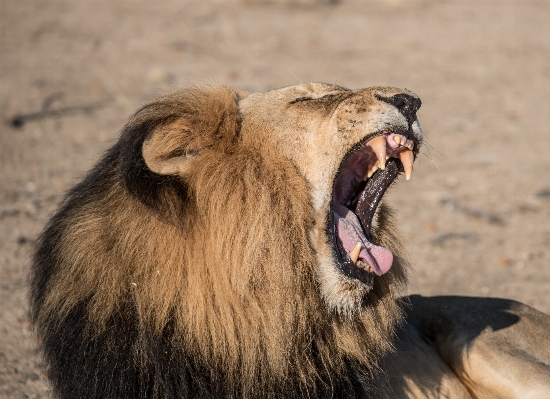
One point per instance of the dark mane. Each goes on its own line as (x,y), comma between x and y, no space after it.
(148,286)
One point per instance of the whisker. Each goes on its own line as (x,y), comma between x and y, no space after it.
(433,148)
(336,81)
(429,156)
(295,76)
(432,161)
(437,166)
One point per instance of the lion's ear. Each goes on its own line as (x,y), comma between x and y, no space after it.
(190,122)
(169,149)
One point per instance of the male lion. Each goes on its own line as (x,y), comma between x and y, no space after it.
(232,244)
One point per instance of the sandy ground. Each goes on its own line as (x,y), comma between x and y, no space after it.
(476,213)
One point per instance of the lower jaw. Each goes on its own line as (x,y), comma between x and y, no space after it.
(347,268)
(364,213)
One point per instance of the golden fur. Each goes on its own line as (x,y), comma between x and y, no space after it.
(225,244)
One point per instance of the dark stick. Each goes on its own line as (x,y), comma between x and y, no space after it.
(20,119)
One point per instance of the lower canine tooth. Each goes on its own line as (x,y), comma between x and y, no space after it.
(378,145)
(369,172)
(354,254)
(407,159)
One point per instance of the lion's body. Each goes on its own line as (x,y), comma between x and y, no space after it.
(466,347)
(192,261)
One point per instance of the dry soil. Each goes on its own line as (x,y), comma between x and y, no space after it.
(476,213)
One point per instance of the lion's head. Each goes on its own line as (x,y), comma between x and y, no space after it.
(236,236)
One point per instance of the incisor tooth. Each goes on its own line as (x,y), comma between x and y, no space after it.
(378,145)
(407,159)
(370,171)
(354,254)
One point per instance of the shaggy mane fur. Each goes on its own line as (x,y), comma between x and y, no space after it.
(203,285)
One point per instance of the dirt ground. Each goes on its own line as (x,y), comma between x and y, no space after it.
(476,214)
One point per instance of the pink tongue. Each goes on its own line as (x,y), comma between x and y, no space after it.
(350,232)
(382,257)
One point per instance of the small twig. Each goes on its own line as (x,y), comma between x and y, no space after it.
(544,193)
(50,99)
(473,212)
(20,119)
(441,239)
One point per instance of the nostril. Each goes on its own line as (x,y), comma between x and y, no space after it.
(406,104)
(403,100)
(400,102)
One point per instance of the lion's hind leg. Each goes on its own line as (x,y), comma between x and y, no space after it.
(416,370)
(497,348)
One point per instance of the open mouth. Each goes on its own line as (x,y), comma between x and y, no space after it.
(365,174)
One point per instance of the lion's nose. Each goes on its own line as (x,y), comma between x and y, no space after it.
(406,104)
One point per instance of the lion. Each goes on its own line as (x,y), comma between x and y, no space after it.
(234,244)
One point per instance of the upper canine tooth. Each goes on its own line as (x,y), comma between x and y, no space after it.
(397,139)
(378,145)
(407,159)
(354,254)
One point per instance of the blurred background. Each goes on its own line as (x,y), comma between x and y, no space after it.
(476,213)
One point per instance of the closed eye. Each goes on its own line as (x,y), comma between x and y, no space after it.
(300,99)
(327,98)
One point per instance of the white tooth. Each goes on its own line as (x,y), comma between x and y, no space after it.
(407,159)
(410,145)
(378,145)
(370,171)
(397,139)
(354,254)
